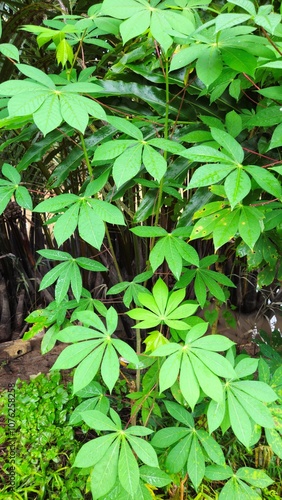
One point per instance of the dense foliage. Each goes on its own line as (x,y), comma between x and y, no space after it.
(149,160)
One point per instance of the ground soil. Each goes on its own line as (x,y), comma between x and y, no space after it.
(28,364)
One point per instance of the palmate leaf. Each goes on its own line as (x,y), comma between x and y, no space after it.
(135,25)
(215,414)
(154,162)
(239,420)
(237,185)
(211,446)
(209,65)
(73,354)
(128,470)
(105,472)
(48,116)
(169,371)
(23,198)
(93,451)
(90,227)
(258,412)
(208,381)
(127,165)
(110,367)
(188,382)
(66,224)
(249,226)
(196,463)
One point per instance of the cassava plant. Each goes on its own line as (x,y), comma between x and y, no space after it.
(161,162)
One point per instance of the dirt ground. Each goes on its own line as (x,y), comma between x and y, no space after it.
(25,364)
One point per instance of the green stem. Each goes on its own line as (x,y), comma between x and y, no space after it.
(166,134)
(86,157)
(113,253)
(138,352)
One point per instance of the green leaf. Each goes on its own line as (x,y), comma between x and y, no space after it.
(218,472)
(209,382)
(110,367)
(11,173)
(265,180)
(149,231)
(237,185)
(56,203)
(215,414)
(135,25)
(98,421)
(131,159)
(72,112)
(255,477)
(53,275)
(25,104)
(274,440)
(154,476)
(55,255)
(37,75)
(246,5)
(154,162)
(179,413)
(63,282)
(160,28)
(73,354)
(9,50)
(188,382)
(66,224)
(210,342)
(23,198)
(226,228)
(48,116)
(90,227)
(93,451)
(111,149)
(231,147)
(211,447)
(240,60)
(76,281)
(144,450)
(225,21)
(215,362)
(166,145)
(239,420)
(206,154)
(107,212)
(169,371)
(90,265)
(126,127)
(5,196)
(209,174)
(185,56)
(262,391)
(128,470)
(196,463)
(169,435)
(258,412)
(64,52)
(249,227)
(246,367)
(105,472)
(209,65)
(276,138)
(200,290)
(177,457)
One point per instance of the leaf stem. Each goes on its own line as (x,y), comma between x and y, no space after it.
(113,253)
(86,157)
